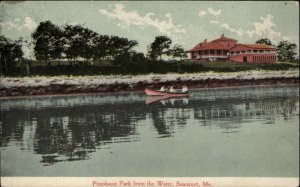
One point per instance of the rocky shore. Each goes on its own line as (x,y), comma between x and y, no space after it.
(98,84)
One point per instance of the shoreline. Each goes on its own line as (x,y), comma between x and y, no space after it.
(63,85)
(60,90)
(122,91)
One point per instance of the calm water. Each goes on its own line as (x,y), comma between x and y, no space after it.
(215,133)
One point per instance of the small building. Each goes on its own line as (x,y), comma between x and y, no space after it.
(225,48)
(255,53)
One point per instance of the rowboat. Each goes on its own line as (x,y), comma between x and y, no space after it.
(160,93)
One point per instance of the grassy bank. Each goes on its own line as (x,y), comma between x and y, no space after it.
(161,67)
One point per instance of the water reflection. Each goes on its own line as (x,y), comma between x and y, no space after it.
(166,100)
(71,128)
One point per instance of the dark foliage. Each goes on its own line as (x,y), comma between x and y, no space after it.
(160,46)
(125,66)
(48,42)
(265,41)
(10,53)
(286,51)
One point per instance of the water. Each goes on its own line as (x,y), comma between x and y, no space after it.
(221,132)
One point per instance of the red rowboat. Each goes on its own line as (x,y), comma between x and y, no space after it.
(160,93)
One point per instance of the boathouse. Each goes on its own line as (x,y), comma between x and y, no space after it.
(256,53)
(224,48)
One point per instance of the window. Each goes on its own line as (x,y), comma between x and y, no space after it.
(194,55)
(255,51)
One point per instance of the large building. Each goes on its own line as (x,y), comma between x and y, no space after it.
(225,48)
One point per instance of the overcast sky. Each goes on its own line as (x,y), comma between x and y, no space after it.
(185,22)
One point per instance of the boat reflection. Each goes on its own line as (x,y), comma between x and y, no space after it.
(166,99)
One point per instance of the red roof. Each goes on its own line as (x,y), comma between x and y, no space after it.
(213,44)
(208,46)
(240,47)
(259,46)
(217,45)
(223,38)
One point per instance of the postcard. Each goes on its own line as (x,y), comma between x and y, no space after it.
(149,93)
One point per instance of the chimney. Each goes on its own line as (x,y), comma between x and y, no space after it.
(205,41)
(222,36)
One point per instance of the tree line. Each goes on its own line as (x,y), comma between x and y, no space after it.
(76,43)
(79,45)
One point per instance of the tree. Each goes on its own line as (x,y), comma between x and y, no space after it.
(10,53)
(48,40)
(160,46)
(111,46)
(119,45)
(265,41)
(286,51)
(79,42)
(130,57)
(100,46)
(177,52)
(138,58)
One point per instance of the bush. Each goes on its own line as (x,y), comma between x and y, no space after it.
(137,64)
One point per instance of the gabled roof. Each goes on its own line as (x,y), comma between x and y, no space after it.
(215,44)
(209,45)
(223,38)
(252,46)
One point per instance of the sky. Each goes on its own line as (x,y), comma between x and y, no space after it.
(186,22)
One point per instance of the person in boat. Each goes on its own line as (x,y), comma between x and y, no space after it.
(162,89)
(184,89)
(172,89)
